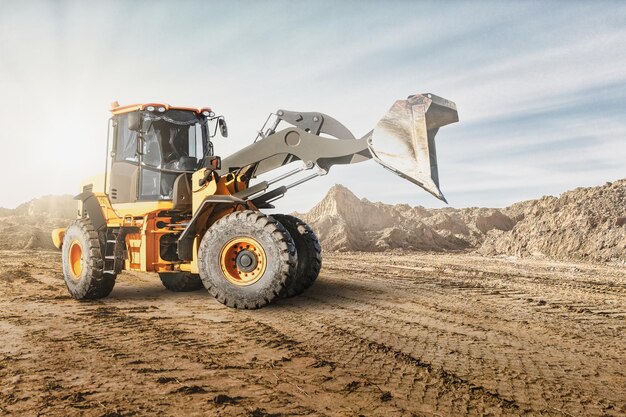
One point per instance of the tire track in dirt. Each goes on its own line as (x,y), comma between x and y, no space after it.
(551,364)
(566,276)
(420,388)
(599,344)
(268,336)
(332,382)
(380,334)
(441,293)
(507,361)
(183,362)
(445,314)
(112,335)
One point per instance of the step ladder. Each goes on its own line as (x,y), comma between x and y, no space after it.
(111,260)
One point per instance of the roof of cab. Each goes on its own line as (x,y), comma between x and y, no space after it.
(117,109)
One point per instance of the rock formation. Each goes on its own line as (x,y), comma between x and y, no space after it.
(585,223)
(346,223)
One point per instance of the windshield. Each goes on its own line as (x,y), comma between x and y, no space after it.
(172,147)
(172,141)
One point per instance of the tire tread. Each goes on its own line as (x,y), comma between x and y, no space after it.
(287,254)
(100,284)
(309,253)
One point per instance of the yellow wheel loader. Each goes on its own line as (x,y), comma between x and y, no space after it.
(167,204)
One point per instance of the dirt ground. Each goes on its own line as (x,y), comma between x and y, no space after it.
(379,334)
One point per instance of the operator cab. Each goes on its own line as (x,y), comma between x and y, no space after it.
(154,144)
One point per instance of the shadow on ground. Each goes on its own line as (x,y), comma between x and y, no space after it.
(316,295)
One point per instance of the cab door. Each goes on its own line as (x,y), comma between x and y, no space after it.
(124,163)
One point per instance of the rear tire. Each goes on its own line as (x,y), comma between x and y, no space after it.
(180,281)
(83,263)
(309,253)
(247,260)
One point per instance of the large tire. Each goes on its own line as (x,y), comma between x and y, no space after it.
(309,253)
(83,264)
(180,281)
(247,260)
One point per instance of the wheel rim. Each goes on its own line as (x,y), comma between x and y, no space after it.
(243,261)
(76,259)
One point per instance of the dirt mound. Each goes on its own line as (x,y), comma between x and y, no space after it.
(585,223)
(50,206)
(346,223)
(29,225)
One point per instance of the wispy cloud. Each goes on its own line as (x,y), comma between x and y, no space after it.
(540,86)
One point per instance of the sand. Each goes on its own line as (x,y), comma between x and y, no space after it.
(585,223)
(379,334)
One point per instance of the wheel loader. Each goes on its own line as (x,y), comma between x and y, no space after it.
(167,204)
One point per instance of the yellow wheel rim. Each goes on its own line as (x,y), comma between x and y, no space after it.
(76,259)
(243,261)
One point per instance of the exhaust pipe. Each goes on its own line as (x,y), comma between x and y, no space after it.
(403,141)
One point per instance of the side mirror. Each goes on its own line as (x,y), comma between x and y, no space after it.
(223,127)
(134,121)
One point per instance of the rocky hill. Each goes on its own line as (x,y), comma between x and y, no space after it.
(585,223)
(345,223)
(29,225)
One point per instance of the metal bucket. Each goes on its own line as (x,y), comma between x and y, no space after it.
(403,141)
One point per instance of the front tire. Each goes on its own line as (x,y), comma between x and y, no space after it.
(83,262)
(180,281)
(309,253)
(247,260)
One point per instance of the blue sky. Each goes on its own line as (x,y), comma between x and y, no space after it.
(540,86)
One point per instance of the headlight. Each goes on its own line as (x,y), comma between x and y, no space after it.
(161,109)
(206,113)
(150,108)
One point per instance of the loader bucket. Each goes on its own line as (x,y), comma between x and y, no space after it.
(403,141)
